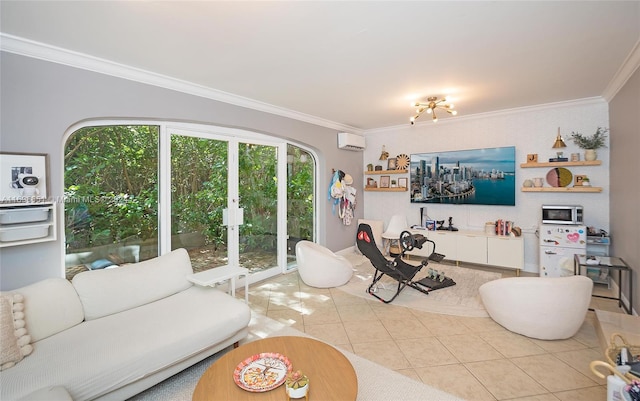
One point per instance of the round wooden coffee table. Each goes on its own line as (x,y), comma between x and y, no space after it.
(331,376)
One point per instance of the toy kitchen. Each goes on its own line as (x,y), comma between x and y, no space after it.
(561,236)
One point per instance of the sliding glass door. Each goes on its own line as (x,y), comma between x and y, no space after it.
(199,181)
(301,201)
(225,199)
(258,199)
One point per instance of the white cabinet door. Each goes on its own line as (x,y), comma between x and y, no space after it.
(472,248)
(446,243)
(506,252)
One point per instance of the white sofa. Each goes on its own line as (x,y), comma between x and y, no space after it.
(113,333)
(546,308)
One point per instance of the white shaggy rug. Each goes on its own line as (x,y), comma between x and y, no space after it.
(375,382)
(462,299)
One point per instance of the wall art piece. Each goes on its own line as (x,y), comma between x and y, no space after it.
(23,178)
(476,177)
(391,163)
(384,181)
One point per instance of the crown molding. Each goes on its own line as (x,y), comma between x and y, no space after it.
(42,51)
(469,117)
(630,65)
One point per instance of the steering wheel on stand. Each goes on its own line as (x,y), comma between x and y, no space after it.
(407,241)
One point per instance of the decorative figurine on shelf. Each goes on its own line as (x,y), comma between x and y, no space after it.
(384,155)
(297,385)
(29,184)
(440,225)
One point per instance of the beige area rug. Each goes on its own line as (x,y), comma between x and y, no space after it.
(375,382)
(461,299)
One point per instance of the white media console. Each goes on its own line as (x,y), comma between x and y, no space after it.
(477,247)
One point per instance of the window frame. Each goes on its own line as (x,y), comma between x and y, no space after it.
(210,131)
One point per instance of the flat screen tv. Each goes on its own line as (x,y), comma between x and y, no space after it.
(475,177)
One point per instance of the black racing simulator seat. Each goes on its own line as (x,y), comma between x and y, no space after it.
(397,268)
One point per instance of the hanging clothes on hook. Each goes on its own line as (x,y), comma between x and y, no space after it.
(336,190)
(348,200)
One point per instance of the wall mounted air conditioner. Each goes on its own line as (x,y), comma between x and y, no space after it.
(349,141)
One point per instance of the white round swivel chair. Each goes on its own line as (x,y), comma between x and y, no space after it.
(321,268)
(397,225)
(547,308)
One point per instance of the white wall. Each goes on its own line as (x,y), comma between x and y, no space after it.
(531,130)
(625,218)
(40,100)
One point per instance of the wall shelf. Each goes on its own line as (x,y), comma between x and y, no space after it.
(386,172)
(561,164)
(401,189)
(561,189)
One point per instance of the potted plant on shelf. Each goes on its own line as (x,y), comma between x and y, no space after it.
(296,384)
(591,143)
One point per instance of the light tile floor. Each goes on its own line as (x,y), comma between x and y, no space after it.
(473,358)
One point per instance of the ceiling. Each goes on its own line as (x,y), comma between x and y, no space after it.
(358,64)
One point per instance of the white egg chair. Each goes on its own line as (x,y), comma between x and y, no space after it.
(546,308)
(319,267)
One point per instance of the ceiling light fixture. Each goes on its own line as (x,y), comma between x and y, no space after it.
(430,107)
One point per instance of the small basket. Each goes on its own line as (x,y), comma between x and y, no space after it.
(613,371)
(614,350)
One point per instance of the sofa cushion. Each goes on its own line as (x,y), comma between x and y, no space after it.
(109,291)
(51,306)
(14,340)
(102,355)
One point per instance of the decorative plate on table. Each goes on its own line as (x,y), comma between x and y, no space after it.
(262,372)
(402,162)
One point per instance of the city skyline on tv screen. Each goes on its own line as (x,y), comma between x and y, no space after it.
(476,176)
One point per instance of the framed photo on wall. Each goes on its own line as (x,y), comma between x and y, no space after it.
(384,181)
(24,177)
(402,182)
(392,163)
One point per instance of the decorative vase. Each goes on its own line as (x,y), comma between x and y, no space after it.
(299,392)
(527,183)
(537,182)
(590,154)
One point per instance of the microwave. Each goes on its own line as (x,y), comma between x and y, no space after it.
(562,214)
